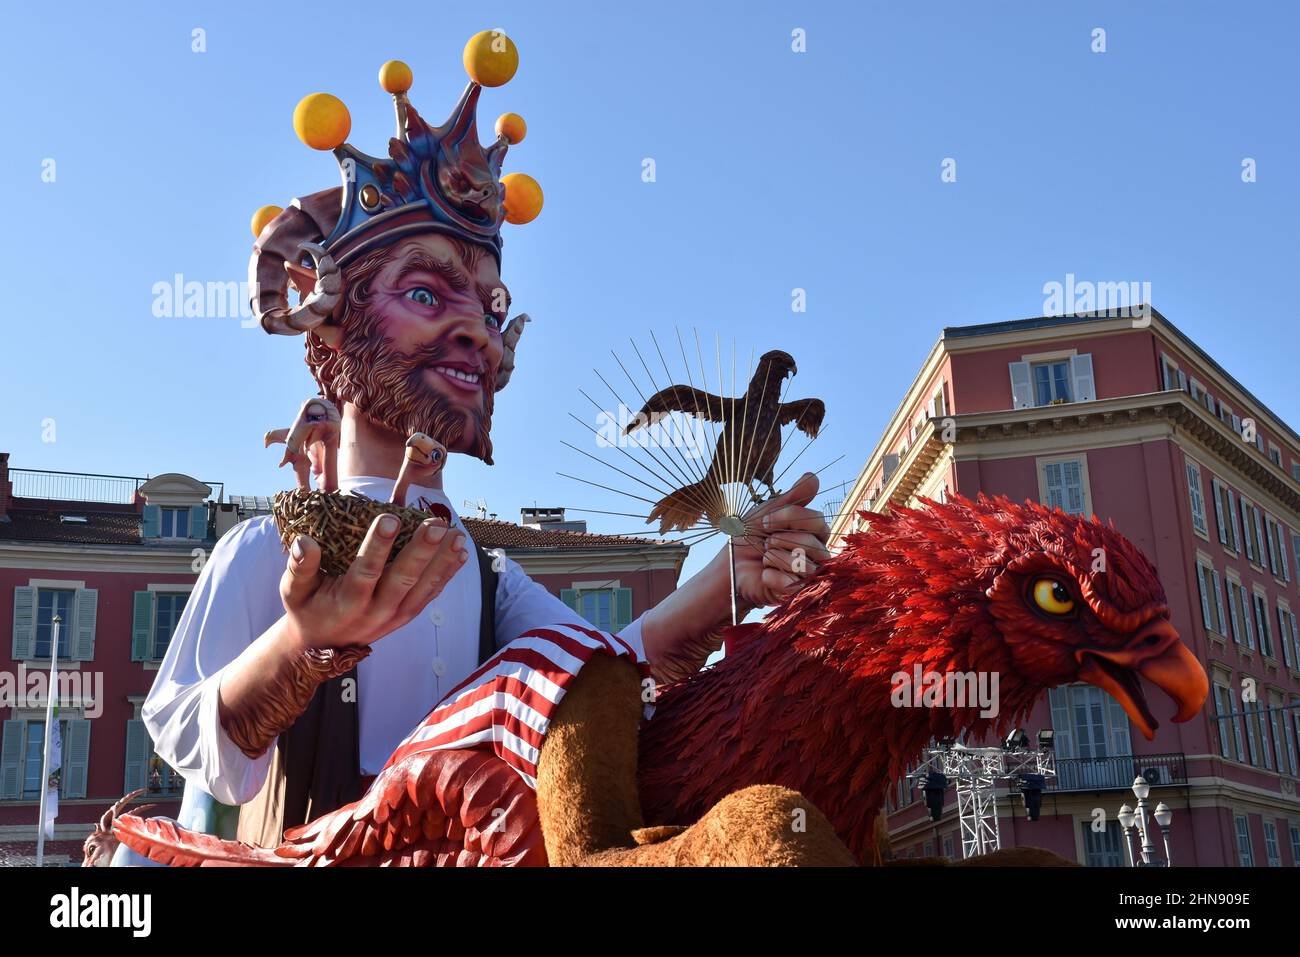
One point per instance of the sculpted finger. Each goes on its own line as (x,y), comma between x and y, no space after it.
(447,560)
(406,569)
(797,518)
(795,563)
(301,575)
(778,584)
(367,568)
(811,545)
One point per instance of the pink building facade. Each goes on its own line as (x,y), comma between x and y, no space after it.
(1128,419)
(116,559)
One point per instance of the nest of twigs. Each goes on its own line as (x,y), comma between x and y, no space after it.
(338,523)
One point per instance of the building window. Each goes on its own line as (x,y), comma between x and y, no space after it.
(1064,485)
(175,522)
(51,602)
(1245,856)
(948,848)
(1225,515)
(34,756)
(1258,722)
(1275,455)
(1169,374)
(154,621)
(1261,624)
(1295,471)
(1093,740)
(22,754)
(597,607)
(1196,497)
(1270,845)
(1051,382)
(1207,580)
(1295,846)
(1102,848)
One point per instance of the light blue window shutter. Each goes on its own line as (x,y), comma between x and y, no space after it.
(1182,380)
(1250,535)
(1072,475)
(198,521)
(1219,518)
(76,758)
(141,622)
(1081,373)
(570,597)
(1205,598)
(1284,636)
(1054,485)
(1063,739)
(138,747)
(152,522)
(1246,616)
(1022,391)
(1121,738)
(24,622)
(1236,526)
(622,608)
(11,756)
(1219,624)
(85,605)
(1232,612)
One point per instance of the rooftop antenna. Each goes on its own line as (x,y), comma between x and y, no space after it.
(480,506)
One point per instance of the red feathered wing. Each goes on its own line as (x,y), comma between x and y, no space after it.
(459,808)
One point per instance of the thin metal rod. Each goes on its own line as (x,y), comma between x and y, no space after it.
(731,560)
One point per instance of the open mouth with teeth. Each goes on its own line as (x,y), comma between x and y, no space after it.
(460,377)
(1157,654)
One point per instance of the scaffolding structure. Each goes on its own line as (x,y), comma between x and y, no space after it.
(977,773)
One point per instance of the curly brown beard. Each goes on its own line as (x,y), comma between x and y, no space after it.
(388,387)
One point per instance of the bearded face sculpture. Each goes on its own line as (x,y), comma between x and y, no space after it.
(419,341)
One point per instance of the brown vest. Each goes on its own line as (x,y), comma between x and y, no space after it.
(316,765)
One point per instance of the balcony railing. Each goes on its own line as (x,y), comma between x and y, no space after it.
(1117,772)
(79,486)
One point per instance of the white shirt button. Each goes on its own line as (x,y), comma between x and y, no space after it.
(439,667)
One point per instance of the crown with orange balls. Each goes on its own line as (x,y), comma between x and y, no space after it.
(434,179)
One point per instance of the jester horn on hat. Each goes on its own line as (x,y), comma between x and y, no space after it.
(434,179)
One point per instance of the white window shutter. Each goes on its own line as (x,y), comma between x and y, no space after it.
(24,622)
(1284,636)
(1182,380)
(1259,530)
(138,747)
(1247,613)
(1084,389)
(1205,596)
(1022,391)
(85,610)
(1232,612)
(1236,525)
(11,760)
(1249,530)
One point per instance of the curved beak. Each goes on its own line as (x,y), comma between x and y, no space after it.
(1157,654)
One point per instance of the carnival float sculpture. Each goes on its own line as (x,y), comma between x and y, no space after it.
(563,746)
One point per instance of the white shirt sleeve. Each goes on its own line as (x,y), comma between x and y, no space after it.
(235,599)
(523,604)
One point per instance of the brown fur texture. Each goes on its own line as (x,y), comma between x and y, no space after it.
(591,814)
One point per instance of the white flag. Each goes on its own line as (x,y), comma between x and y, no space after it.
(56,773)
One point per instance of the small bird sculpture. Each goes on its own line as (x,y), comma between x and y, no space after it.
(748,444)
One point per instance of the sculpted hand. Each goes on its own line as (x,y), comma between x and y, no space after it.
(369,601)
(786,547)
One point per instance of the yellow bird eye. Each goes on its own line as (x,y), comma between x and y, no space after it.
(1051,596)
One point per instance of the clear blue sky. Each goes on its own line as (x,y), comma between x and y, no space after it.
(775,170)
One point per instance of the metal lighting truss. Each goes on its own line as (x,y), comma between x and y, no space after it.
(976,772)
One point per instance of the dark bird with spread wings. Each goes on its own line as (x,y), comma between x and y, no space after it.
(747,447)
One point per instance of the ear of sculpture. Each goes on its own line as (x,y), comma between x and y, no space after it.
(303,280)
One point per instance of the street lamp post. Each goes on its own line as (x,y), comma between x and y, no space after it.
(1130,818)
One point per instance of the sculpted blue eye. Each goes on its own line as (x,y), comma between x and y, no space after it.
(492,321)
(423,295)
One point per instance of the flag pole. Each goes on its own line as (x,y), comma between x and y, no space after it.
(45,752)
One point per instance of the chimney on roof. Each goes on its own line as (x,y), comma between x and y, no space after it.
(6,487)
(549,520)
